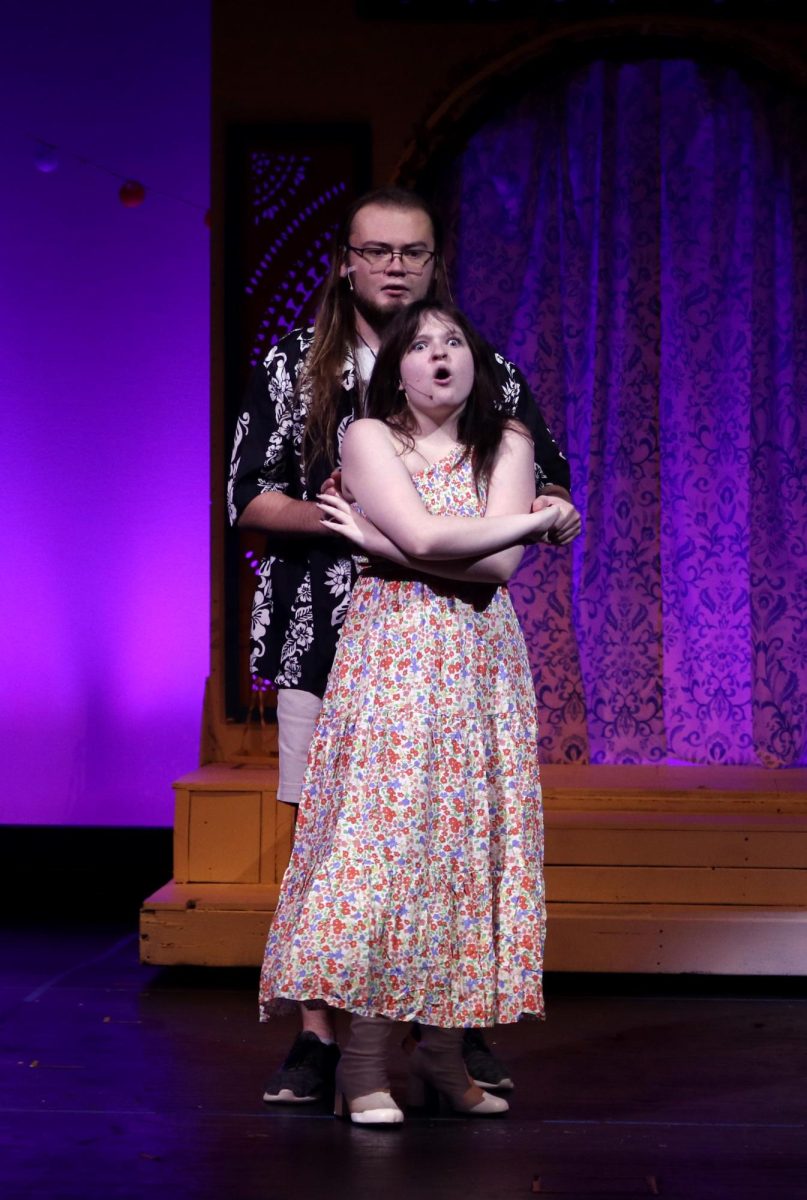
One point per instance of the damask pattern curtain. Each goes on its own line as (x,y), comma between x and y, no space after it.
(634,236)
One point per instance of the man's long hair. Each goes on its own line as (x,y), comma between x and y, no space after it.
(481,423)
(335,329)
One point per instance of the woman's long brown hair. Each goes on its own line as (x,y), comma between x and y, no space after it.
(335,332)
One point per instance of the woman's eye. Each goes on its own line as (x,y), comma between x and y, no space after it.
(418,346)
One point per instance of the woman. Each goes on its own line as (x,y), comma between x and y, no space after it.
(415,889)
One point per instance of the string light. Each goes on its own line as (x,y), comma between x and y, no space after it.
(46,159)
(254,563)
(131,192)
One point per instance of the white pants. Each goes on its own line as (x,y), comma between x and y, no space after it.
(297,714)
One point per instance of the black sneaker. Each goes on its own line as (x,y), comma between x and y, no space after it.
(306,1075)
(484,1068)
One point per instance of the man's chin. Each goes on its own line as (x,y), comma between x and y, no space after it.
(378,316)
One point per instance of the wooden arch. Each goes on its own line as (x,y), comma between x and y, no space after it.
(465,104)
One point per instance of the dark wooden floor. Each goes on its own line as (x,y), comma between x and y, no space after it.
(123,1081)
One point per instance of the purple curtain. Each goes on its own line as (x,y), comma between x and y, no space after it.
(634,236)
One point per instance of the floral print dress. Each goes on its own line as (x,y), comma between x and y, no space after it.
(415,888)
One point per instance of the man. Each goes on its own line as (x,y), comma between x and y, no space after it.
(299,403)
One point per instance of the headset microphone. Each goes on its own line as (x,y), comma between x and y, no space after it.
(420,392)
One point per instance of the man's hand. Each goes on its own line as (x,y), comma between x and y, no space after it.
(333,484)
(568,524)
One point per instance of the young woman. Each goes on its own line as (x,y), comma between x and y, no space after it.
(415,888)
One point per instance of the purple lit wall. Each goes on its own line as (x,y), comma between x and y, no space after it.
(104,389)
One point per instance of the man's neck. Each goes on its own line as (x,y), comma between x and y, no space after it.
(365,332)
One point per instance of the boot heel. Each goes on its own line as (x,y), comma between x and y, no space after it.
(340,1108)
(423,1095)
(439,1074)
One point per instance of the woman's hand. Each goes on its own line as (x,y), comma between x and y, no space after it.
(547,511)
(338,516)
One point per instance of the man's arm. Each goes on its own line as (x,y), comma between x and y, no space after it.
(265,465)
(275,513)
(551,466)
(552,474)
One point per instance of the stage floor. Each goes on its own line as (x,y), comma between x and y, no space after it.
(123,1081)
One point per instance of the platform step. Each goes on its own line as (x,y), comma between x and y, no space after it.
(226,926)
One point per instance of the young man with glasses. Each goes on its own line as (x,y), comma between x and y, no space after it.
(300,400)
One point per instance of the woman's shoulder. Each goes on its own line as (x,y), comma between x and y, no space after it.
(369,429)
(367,434)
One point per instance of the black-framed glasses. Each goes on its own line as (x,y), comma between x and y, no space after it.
(378,256)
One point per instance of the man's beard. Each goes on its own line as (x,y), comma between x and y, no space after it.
(377,318)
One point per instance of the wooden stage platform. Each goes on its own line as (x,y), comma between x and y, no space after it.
(648,869)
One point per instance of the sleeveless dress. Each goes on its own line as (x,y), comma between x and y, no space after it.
(415,888)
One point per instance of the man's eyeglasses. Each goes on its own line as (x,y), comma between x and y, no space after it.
(379,256)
